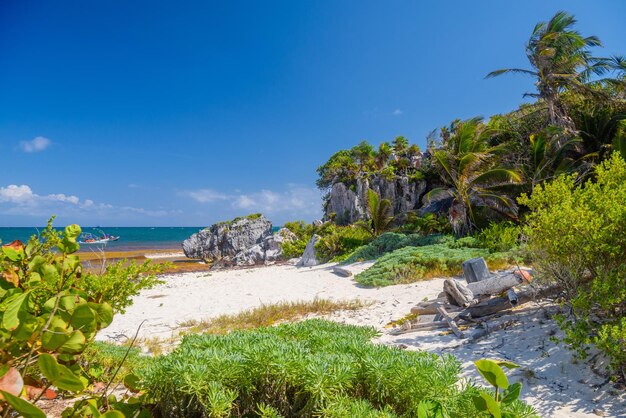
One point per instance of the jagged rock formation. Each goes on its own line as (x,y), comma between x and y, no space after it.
(351,204)
(242,242)
(309,258)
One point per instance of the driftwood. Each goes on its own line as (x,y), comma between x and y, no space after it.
(496,284)
(423,326)
(458,292)
(470,294)
(429,307)
(453,326)
(494,305)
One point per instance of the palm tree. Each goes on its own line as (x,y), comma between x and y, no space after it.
(469,169)
(383,155)
(560,59)
(380,212)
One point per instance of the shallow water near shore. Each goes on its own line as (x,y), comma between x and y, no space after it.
(131,238)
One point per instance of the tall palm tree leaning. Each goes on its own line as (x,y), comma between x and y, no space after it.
(469,170)
(560,59)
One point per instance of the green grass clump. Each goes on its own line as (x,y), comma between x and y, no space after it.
(310,368)
(100,360)
(411,264)
(392,241)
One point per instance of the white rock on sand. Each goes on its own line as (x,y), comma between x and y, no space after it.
(553,384)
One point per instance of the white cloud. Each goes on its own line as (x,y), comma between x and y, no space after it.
(36,144)
(295,201)
(21,200)
(397,112)
(16,194)
(205,195)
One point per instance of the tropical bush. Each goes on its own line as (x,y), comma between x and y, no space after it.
(411,264)
(391,241)
(100,361)
(577,239)
(312,368)
(499,237)
(337,242)
(50,312)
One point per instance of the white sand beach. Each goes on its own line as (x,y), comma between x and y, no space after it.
(553,383)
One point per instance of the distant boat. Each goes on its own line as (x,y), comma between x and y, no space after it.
(103,238)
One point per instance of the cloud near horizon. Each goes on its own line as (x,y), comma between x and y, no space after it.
(295,201)
(22,201)
(37,144)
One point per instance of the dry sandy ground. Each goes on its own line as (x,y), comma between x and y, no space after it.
(553,383)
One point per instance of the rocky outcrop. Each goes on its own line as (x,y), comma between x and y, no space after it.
(309,258)
(241,242)
(350,204)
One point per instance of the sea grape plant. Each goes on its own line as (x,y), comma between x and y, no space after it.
(48,316)
(505,393)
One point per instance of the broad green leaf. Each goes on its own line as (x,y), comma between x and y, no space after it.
(512,393)
(486,403)
(54,338)
(75,344)
(490,370)
(430,409)
(72,231)
(84,318)
(36,262)
(104,313)
(22,407)
(11,253)
(27,327)
(59,375)
(71,262)
(14,312)
(131,381)
(50,273)
(113,414)
(507,364)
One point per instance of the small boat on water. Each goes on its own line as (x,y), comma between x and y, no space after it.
(102,238)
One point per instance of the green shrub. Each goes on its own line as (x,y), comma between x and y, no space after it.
(576,238)
(50,311)
(101,360)
(337,242)
(306,369)
(410,264)
(502,236)
(391,241)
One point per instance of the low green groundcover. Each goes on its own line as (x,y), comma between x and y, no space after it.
(311,368)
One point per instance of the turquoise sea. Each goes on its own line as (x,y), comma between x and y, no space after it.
(131,238)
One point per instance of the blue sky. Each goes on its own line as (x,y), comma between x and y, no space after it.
(189,112)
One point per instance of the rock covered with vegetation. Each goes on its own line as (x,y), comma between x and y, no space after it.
(393,171)
(243,241)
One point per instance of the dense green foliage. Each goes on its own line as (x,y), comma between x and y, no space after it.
(500,237)
(392,241)
(577,239)
(302,370)
(50,311)
(410,264)
(337,242)
(389,160)
(100,361)
(472,174)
